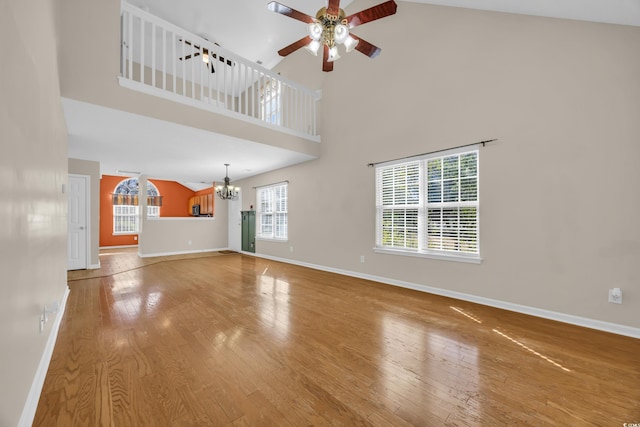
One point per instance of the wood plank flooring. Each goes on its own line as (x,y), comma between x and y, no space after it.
(237,340)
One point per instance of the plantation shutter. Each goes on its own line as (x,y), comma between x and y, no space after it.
(398,207)
(429,205)
(272,212)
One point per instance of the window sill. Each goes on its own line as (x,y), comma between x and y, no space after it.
(180,218)
(126,233)
(267,239)
(470,258)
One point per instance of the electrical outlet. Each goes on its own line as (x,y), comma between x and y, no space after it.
(189,241)
(362,259)
(615,295)
(43,320)
(290,248)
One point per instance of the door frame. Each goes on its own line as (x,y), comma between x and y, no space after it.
(234,221)
(87,210)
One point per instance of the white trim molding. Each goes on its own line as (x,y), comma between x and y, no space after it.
(600,325)
(472,259)
(31,405)
(118,246)
(181,252)
(150,90)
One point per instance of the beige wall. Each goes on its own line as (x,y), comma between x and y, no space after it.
(92,169)
(559,196)
(558,190)
(168,236)
(163,236)
(33,208)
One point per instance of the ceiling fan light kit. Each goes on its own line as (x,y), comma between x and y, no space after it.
(331,28)
(313,47)
(331,31)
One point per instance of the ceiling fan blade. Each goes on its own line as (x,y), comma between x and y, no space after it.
(294,46)
(222,59)
(326,65)
(187,42)
(333,7)
(291,13)
(376,12)
(189,56)
(365,47)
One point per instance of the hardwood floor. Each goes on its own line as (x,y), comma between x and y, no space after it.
(238,340)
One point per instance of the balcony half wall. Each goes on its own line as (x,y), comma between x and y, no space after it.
(92,64)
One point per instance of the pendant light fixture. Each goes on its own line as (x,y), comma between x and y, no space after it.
(227,191)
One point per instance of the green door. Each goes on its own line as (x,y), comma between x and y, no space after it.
(249,231)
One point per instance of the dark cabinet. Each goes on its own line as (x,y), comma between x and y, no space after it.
(249,231)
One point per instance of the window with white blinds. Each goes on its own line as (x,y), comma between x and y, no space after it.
(272,213)
(429,206)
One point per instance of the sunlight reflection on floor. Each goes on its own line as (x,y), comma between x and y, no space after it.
(470,316)
(542,356)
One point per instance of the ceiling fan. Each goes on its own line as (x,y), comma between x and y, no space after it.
(332,27)
(206,57)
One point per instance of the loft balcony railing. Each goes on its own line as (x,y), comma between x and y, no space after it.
(164,60)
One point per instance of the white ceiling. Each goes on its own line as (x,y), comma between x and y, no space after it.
(122,141)
(247,28)
(130,144)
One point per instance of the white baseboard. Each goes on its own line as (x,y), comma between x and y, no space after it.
(94,266)
(180,252)
(533,311)
(31,405)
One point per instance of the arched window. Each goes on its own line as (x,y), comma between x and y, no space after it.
(125,206)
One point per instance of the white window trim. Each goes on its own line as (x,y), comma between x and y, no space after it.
(459,257)
(260,236)
(270,239)
(472,258)
(133,233)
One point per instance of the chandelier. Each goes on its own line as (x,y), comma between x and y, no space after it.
(330,30)
(227,191)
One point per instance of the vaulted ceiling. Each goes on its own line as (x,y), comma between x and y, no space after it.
(247,28)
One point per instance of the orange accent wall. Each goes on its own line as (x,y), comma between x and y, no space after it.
(175,203)
(108,183)
(175,198)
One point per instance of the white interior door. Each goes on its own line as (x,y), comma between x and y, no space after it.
(77,246)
